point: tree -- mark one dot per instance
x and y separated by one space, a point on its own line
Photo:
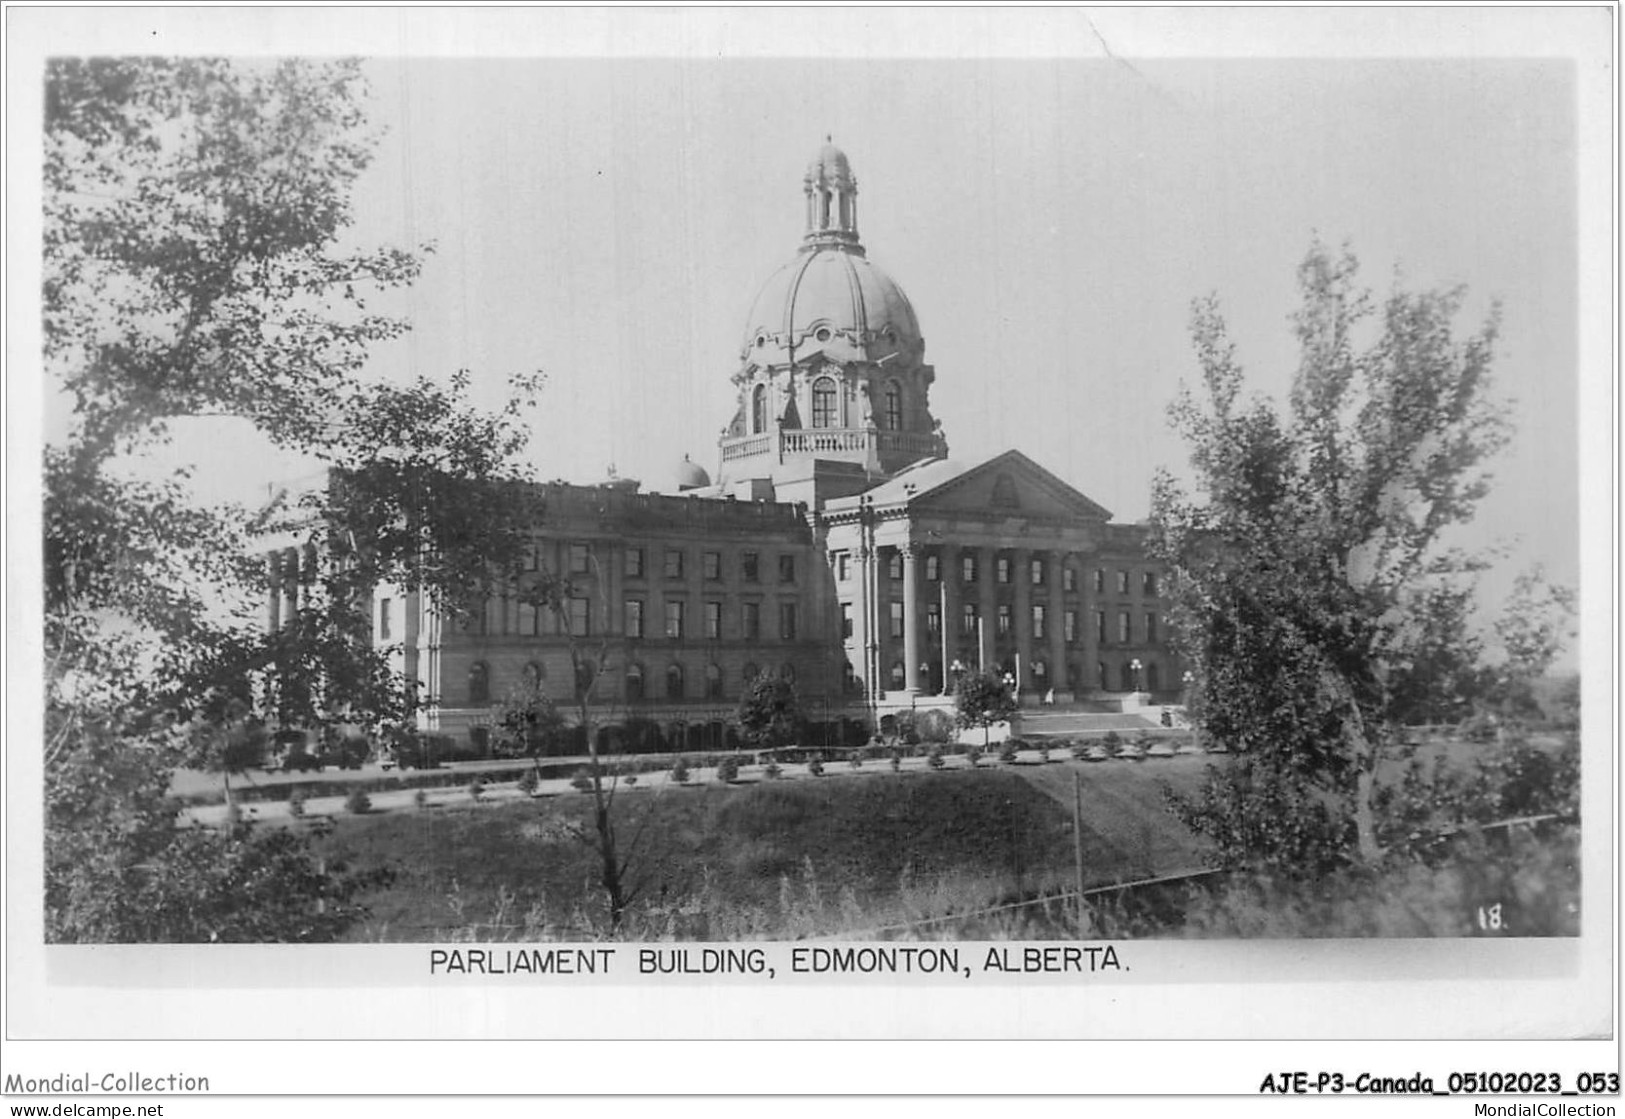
1313 585
530 718
769 714
982 700
195 219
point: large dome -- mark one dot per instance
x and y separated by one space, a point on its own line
831 297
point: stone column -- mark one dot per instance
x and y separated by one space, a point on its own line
1057 624
1022 627
1091 603
911 619
273 592
948 569
860 615
986 559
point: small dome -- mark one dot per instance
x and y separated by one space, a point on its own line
829 165
691 475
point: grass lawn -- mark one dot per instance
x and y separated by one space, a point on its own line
767 861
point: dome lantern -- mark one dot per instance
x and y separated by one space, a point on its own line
832 198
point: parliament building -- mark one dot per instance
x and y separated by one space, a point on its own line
837 543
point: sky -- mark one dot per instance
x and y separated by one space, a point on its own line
1051 205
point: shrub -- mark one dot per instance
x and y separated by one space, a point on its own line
935 760
296 803
358 803
581 780
973 755
1079 749
772 770
1043 751
815 766
630 778
896 761
476 790
529 782
728 770
934 726
856 760
421 799
679 770
1007 752
1112 741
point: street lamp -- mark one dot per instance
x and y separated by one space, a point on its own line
957 669
1134 666
1010 682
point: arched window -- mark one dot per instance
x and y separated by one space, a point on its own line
750 673
535 674
758 409
894 407
479 683
713 682
1153 677
674 681
634 682
824 402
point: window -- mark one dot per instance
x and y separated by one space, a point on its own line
1100 627
933 619
711 564
674 563
634 617
967 620
1100 676
1040 673
1038 623
1001 568
586 676
1150 629
479 683
578 559
385 608
535 674
634 563
894 566
843 566
1003 621
751 620
529 561
933 567
1037 569
750 567
758 409
496 615
713 682
674 620
634 682
846 621
1122 582
750 673
1153 678
713 621
674 681
1100 580
823 402
967 568
1148 584
899 675
1070 622
1124 633
896 619
787 569
894 407
787 621
580 617
1069 579
1129 683
528 619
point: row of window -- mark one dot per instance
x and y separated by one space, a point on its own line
636 680
1004 570
1004 623
674 564
826 406
503 616
676 620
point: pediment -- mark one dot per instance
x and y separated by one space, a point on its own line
1008 485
